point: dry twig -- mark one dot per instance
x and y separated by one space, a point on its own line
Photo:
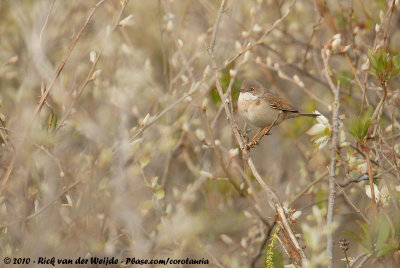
273 200
44 96
334 150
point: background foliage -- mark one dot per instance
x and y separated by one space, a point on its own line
131 153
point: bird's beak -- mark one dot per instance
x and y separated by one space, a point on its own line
241 90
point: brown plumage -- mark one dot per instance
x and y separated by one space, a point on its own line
262 108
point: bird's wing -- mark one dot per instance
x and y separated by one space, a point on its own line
278 103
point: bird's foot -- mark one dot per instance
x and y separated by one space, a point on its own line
252 144
267 132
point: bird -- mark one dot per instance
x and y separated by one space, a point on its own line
263 109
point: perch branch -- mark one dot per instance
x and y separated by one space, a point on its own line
273 200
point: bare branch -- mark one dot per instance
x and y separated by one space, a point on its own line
273 200
260 41
334 150
44 96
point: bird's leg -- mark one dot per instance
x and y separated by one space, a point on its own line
259 132
265 131
268 128
254 140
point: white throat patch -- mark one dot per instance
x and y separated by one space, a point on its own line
246 96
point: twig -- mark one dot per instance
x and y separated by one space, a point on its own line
363 154
308 187
194 88
64 60
261 39
362 177
54 200
45 206
283 76
163 52
364 261
117 21
262 245
315 26
215 30
40 147
216 24
80 91
217 263
393 143
89 76
377 113
353 70
272 197
390 12
283 247
370 178
353 262
46 21
346 197
218 154
334 150
296 68
44 96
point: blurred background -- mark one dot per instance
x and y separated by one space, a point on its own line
131 154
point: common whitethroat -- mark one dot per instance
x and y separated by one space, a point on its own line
263 109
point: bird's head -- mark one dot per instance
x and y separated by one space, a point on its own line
253 87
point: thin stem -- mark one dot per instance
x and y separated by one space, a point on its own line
334 150
371 181
44 96
273 200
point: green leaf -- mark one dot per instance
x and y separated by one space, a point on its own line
383 234
380 63
395 72
354 236
367 246
54 123
373 72
386 249
372 58
358 126
396 61
385 231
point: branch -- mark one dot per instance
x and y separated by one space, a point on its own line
334 149
346 197
89 76
46 21
61 194
42 101
193 89
273 200
261 39
389 15
215 30
64 60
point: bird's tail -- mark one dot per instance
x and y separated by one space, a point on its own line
311 115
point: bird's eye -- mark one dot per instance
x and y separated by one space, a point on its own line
252 88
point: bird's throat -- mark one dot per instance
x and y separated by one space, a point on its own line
246 96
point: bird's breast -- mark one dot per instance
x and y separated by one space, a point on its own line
256 111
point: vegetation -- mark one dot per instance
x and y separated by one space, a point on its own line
120 135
